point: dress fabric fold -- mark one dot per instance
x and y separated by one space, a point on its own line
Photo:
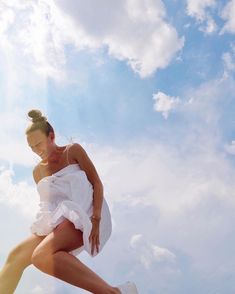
69 194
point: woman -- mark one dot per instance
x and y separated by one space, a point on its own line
73 216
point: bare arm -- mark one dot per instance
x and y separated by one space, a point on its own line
86 164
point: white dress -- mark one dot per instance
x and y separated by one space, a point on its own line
69 194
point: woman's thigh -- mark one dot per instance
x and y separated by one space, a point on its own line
21 254
64 237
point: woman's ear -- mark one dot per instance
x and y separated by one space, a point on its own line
52 136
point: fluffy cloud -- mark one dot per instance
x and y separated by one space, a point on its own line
229 60
228 15
134 31
29 27
164 103
172 202
150 253
168 204
198 10
20 196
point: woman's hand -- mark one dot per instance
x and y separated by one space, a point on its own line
94 236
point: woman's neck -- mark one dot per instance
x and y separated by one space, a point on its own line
54 157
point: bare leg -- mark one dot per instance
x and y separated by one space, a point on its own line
51 256
9 278
68 268
18 259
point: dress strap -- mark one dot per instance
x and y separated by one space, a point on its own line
68 146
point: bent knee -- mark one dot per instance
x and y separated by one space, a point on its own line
38 258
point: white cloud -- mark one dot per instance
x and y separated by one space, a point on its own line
135 31
150 253
230 148
148 162
189 186
170 205
164 103
210 26
20 196
198 9
29 32
135 240
38 290
189 182
36 282
228 14
229 62
162 254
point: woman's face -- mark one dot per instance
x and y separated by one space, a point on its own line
40 143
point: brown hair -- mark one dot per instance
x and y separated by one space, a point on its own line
39 122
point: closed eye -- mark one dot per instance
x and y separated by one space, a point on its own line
35 145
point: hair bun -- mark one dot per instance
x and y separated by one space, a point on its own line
36 115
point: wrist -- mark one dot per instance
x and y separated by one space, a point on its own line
95 218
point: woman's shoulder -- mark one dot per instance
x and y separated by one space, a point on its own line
76 147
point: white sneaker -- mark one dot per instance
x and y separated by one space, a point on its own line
128 288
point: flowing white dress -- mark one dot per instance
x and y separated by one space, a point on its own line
68 194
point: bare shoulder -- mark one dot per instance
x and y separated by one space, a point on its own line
78 153
76 147
81 157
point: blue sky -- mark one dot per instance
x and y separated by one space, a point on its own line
147 88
